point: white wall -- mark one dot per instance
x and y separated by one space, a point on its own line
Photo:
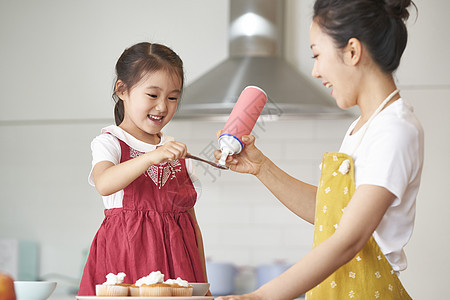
56 63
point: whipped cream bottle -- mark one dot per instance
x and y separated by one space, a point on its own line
241 121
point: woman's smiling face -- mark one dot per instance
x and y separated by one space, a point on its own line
150 105
330 65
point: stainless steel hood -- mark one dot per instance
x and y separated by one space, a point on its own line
256 35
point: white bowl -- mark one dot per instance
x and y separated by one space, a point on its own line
34 290
200 289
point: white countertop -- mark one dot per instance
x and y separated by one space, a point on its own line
72 297
62 297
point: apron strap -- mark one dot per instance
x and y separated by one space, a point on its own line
380 107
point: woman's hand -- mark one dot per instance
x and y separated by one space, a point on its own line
249 160
251 296
169 151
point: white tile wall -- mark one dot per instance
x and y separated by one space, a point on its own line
241 221
44 186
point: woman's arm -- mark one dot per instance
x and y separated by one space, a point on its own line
296 195
110 178
361 217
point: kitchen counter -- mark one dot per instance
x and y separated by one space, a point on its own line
62 297
72 297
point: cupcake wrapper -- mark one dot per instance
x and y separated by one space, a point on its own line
111 290
134 291
182 291
155 291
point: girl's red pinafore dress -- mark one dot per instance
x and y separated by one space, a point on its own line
153 231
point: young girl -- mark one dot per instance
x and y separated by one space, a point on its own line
146 184
363 209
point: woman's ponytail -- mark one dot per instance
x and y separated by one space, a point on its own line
378 24
398 8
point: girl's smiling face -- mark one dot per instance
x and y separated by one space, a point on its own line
150 105
332 66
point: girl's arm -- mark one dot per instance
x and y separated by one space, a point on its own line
201 250
110 178
296 195
361 217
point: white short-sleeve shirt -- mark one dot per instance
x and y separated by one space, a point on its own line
106 147
391 155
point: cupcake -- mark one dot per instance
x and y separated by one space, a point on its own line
134 290
153 286
113 286
180 287
155 290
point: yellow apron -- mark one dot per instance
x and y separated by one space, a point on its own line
368 275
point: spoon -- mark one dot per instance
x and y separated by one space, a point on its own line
207 161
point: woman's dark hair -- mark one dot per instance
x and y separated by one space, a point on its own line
138 61
378 24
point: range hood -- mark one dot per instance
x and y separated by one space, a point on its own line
256 33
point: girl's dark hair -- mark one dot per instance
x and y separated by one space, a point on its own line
138 61
378 24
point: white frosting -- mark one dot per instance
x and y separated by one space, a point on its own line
113 279
152 278
178 281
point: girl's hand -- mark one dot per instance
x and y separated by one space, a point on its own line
249 160
169 151
110 178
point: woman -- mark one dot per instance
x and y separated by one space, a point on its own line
363 209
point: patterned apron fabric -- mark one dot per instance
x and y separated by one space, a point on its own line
368 275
